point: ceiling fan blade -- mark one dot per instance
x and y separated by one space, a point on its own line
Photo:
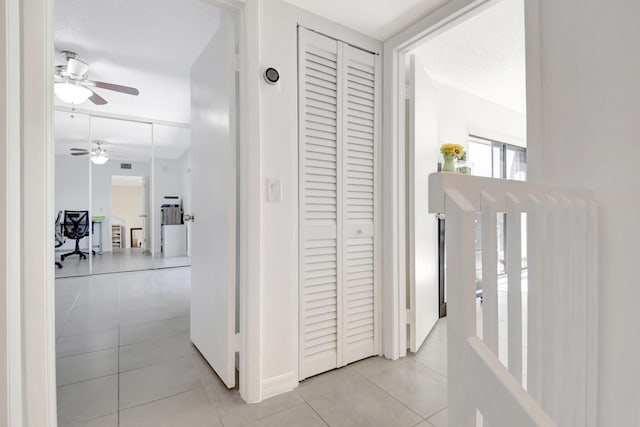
116 88
97 99
80 154
78 149
77 68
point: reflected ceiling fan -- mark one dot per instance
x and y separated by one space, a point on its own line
73 86
98 154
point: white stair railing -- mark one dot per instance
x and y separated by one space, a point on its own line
549 377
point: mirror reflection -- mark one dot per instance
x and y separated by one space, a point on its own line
72 204
133 181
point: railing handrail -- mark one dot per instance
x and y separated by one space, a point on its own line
472 187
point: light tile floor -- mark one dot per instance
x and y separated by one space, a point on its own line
125 359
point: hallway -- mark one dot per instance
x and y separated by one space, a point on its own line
125 358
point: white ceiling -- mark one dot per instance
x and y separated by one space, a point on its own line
148 44
379 19
483 55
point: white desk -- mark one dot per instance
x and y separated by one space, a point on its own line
174 240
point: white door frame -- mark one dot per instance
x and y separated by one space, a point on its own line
393 155
27 300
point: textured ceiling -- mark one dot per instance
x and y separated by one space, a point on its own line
147 44
483 55
379 19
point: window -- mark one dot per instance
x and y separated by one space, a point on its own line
496 159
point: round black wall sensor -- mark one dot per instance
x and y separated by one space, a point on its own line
271 75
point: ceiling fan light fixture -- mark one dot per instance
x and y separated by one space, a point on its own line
71 93
100 157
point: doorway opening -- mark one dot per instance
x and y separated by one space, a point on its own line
466 85
139 322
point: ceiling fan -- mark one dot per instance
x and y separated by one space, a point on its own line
73 86
98 154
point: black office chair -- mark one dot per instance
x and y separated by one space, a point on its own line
76 226
60 240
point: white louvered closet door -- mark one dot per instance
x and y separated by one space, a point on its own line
320 197
359 184
337 187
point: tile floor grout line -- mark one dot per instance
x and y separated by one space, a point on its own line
433 415
87 380
86 352
314 410
73 304
394 398
431 369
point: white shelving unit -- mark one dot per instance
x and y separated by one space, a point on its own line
116 236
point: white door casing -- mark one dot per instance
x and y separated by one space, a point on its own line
213 261
337 164
422 232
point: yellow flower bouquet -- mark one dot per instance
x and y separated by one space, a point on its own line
450 152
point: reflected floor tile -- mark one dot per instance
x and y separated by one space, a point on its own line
193 409
363 404
298 416
87 400
157 381
87 366
416 386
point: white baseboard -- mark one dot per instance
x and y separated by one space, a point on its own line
278 385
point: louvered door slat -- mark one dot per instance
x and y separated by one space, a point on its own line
359 186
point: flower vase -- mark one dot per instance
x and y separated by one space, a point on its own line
449 164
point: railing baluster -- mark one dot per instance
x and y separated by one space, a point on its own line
536 227
566 339
461 311
579 368
550 270
592 315
489 272
514 276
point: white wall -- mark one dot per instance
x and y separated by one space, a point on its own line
277 35
590 111
461 113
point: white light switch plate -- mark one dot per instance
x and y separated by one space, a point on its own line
274 190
